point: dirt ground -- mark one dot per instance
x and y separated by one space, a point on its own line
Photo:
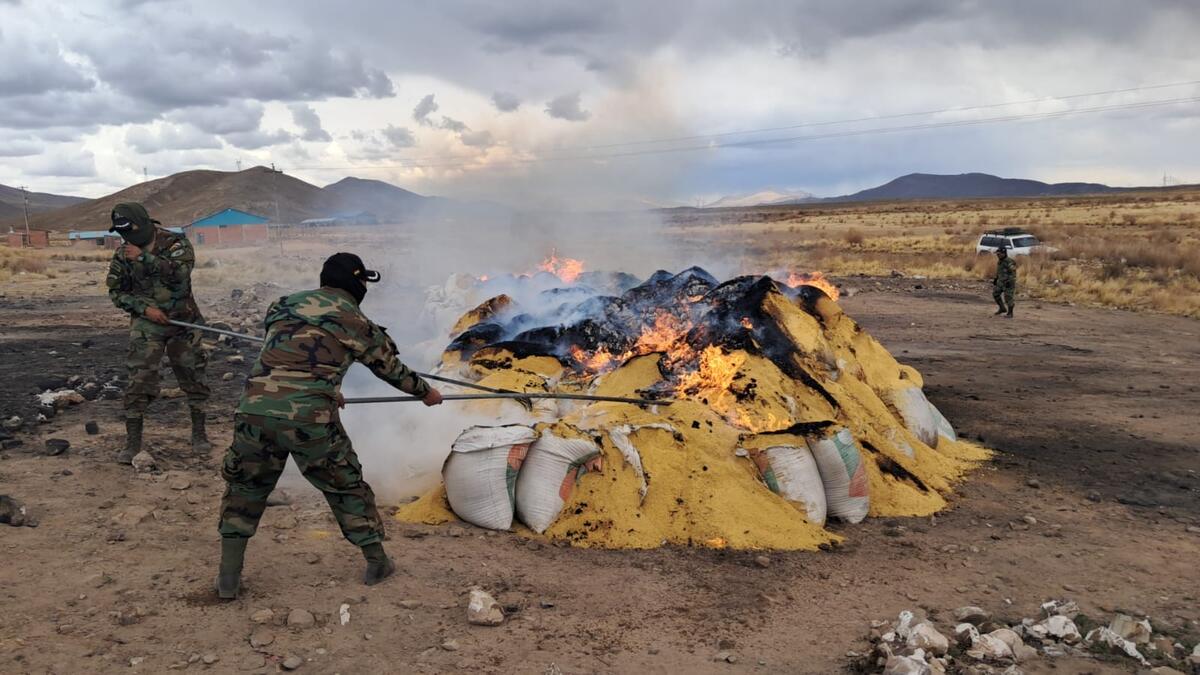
1093 413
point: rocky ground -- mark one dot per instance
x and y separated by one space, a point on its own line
1093 499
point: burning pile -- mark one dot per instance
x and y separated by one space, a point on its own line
785 413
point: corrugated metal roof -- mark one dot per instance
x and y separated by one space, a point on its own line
228 217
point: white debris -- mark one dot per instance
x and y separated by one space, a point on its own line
483 610
60 399
1057 627
966 634
990 647
620 438
907 665
344 614
925 636
1106 636
1066 608
1137 632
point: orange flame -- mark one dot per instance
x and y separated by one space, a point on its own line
747 324
567 269
667 336
814 279
597 361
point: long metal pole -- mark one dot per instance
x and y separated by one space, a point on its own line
531 395
428 376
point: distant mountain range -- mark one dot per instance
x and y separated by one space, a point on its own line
184 197
11 202
929 186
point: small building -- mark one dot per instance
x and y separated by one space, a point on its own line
32 239
102 238
230 227
342 219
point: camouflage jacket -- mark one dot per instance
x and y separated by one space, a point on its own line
312 339
160 277
1006 273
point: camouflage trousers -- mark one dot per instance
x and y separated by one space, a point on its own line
1006 293
147 344
324 455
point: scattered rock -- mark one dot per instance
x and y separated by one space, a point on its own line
209 658
261 637
965 635
1034 483
143 462
292 662
971 614
312 558
725 656
227 377
235 359
287 522
344 614
1193 529
1137 632
12 512
990 647
409 604
252 662
91 427
762 561
1029 520
483 610
279 498
1057 627
263 616
906 665
300 618
925 636
1106 637
13 423
171 392
1165 670
132 516
57 446
1023 652
450 645
180 483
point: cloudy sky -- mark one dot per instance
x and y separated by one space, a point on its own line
597 102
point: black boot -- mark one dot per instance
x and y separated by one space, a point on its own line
1009 315
999 311
229 577
199 437
133 440
379 565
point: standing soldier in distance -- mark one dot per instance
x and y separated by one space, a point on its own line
290 407
150 277
1004 285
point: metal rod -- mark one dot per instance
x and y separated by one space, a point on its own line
428 376
529 395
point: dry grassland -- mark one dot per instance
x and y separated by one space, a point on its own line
1132 251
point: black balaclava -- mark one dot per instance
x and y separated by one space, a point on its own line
347 272
133 223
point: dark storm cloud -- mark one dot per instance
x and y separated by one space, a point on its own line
309 122
399 137
36 66
567 107
258 138
423 109
205 63
169 137
505 101
533 22
231 117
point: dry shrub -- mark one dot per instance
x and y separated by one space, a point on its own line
854 237
1129 219
1112 269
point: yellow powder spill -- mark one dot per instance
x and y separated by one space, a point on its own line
699 492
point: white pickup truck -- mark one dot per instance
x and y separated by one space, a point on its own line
1016 241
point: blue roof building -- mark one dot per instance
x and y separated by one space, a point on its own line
228 217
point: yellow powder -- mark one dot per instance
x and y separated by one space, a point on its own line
699 493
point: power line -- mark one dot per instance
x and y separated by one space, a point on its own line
460 162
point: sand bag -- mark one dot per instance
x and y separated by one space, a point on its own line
481 473
917 413
548 476
843 474
791 472
944 428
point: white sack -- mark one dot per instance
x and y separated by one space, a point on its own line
548 476
917 414
843 474
791 472
481 473
944 428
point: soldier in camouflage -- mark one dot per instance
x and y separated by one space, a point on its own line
150 277
290 407
1004 285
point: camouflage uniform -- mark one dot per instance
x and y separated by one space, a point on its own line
160 277
289 407
1004 286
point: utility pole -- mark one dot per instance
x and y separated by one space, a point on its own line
239 165
25 205
275 194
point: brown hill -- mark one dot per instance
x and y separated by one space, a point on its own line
11 202
183 197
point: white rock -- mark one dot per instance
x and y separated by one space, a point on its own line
906 665
344 614
483 610
300 618
262 616
925 636
990 647
1008 637
1056 627
971 614
903 625
1023 652
143 462
966 634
